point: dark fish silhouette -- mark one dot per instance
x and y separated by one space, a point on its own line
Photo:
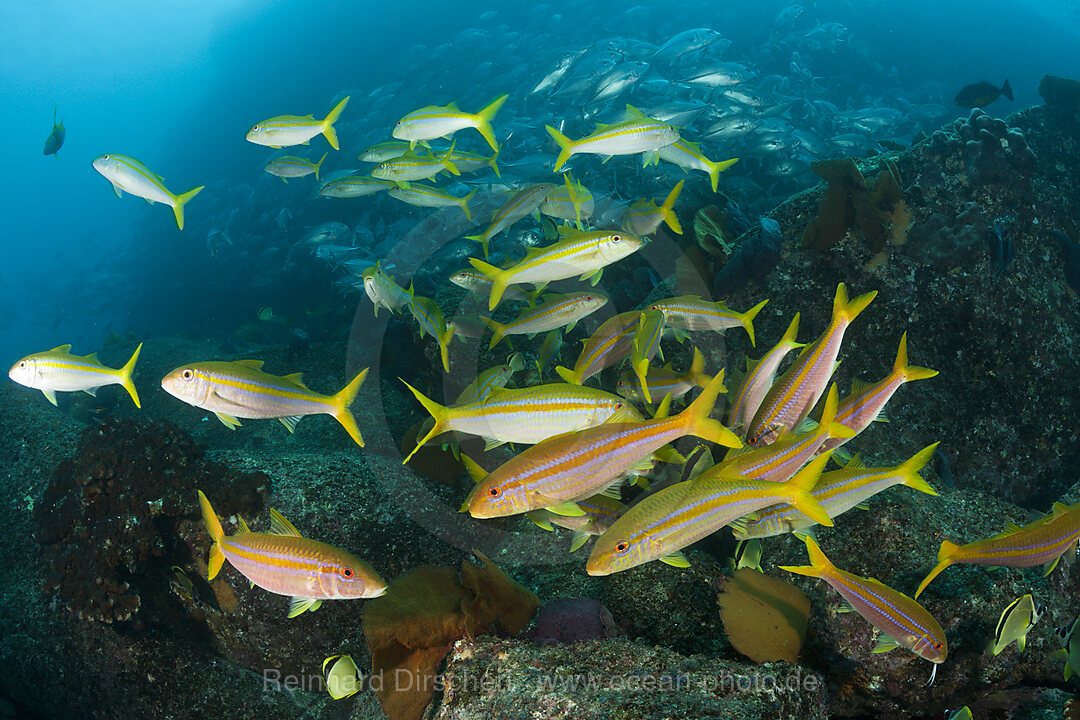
55 141
981 94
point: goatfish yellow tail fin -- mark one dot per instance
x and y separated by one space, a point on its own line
317 165
909 372
801 485
438 412
213 526
910 470
328 130
463 203
180 201
668 213
820 566
568 375
498 331
125 376
715 168
484 118
495 275
747 319
842 307
946 556
566 147
828 416
343 400
696 415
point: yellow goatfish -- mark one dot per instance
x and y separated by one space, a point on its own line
291 166
435 121
612 342
640 134
284 562
690 312
129 175
526 415
644 217
520 204
1042 542
795 393
901 621
556 311
285 130
665 381
57 370
688 156
645 345
240 389
662 524
584 254
421 195
383 291
759 378
577 465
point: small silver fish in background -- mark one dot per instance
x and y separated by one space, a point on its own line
1015 622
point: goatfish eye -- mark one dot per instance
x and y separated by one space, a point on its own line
187 374
22 363
347 573
621 547
937 646
255 129
616 238
494 492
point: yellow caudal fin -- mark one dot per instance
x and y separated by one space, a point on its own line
715 168
909 372
498 331
697 370
493 161
819 564
476 473
910 470
125 376
801 485
791 333
447 162
828 423
328 130
747 320
697 416
343 400
463 203
213 526
484 118
495 275
444 347
850 310
567 375
946 556
483 238
566 147
317 165
438 413
667 211
179 201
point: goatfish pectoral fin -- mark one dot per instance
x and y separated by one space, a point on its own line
179 201
885 643
50 395
342 401
566 509
330 133
697 416
213 526
946 557
228 421
438 412
676 559
567 375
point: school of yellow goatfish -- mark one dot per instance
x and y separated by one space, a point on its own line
767 472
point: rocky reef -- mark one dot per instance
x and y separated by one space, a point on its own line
104 572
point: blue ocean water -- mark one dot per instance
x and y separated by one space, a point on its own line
178 84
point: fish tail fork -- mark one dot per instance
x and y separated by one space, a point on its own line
946 556
180 201
343 400
819 564
125 376
213 526
697 416
328 130
484 118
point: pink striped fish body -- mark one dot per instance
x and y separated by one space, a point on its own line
581 464
902 621
782 459
285 563
1042 542
759 379
794 395
866 401
662 524
612 342
690 312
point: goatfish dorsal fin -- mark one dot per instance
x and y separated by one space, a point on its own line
255 364
280 526
61 348
296 378
242 525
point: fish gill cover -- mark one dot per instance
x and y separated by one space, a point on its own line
512 241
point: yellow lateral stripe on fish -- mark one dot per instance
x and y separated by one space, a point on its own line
241 389
526 415
285 130
866 401
795 393
690 312
579 464
57 370
612 342
582 254
129 175
1042 542
897 616
285 563
664 523
760 378
838 492
556 312
782 459
435 121
629 137
352 186
431 196
520 204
